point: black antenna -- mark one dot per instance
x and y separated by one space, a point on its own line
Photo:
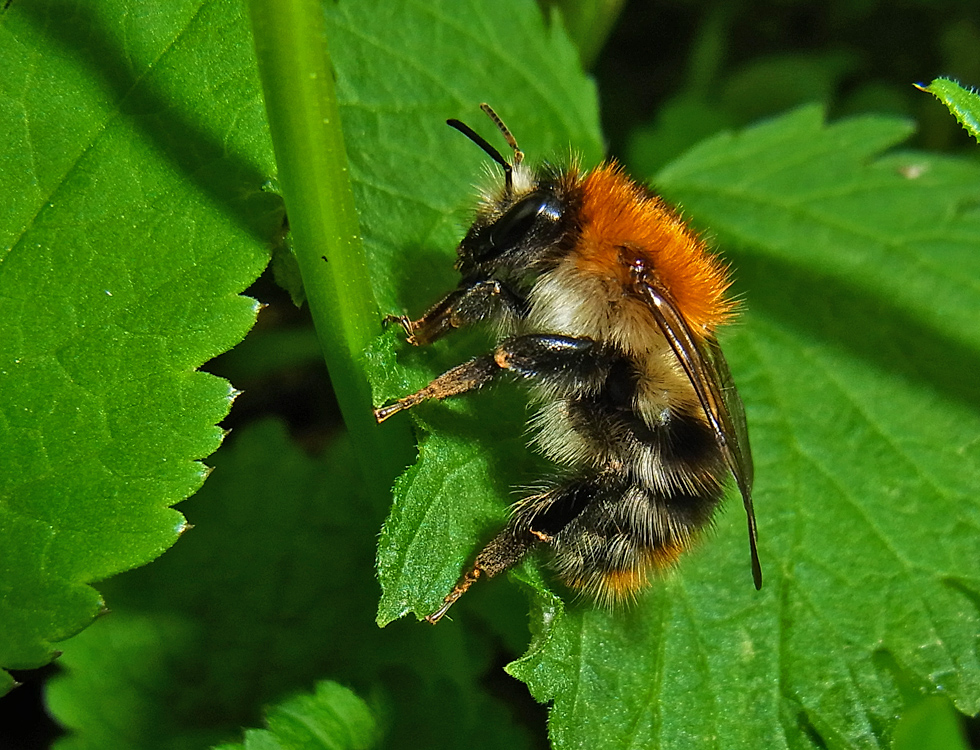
493 153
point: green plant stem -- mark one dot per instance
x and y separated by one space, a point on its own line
304 120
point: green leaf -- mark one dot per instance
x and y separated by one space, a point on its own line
447 502
963 104
333 718
271 590
856 360
931 724
268 531
134 155
413 176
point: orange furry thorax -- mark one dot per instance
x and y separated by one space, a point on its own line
619 218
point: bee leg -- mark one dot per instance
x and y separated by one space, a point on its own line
535 520
567 364
502 553
463 378
403 320
470 303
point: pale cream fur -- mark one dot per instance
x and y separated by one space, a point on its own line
566 302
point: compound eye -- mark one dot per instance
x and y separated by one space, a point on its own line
519 220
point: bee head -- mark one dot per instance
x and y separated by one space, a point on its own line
516 226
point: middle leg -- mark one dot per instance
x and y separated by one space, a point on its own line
561 363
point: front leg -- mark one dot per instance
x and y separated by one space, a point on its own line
564 363
471 302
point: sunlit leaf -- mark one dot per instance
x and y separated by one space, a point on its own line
133 159
963 103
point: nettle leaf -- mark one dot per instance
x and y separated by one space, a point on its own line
963 104
414 176
332 718
134 154
859 355
855 360
271 590
239 604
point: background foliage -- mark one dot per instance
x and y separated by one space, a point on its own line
141 202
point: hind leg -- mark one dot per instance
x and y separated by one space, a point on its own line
535 520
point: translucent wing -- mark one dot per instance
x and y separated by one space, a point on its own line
706 368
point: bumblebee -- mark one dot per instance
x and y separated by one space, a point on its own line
606 305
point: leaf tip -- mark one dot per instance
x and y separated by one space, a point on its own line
389 611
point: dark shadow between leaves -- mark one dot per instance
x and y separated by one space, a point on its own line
228 178
867 326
